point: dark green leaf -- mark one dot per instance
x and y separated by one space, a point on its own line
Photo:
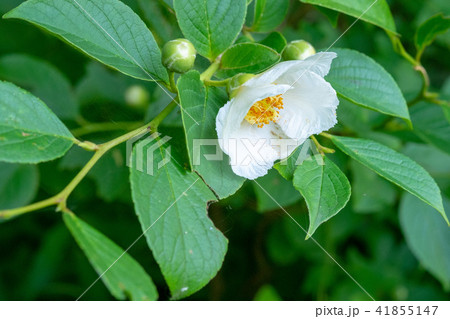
43 80
375 12
29 131
171 206
325 188
431 125
18 184
269 14
332 15
247 58
395 167
275 40
427 236
361 80
429 30
211 25
106 30
278 188
200 107
122 275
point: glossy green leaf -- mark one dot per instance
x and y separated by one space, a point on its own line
431 125
171 205
200 107
275 40
43 80
106 30
395 167
122 275
362 81
18 184
269 14
375 12
278 187
29 131
325 188
429 30
247 58
211 25
427 236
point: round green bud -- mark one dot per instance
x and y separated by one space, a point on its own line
179 55
137 97
236 81
298 50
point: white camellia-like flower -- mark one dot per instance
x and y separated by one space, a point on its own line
276 111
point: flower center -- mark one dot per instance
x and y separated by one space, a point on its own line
264 111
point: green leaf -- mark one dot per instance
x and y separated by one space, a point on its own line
287 167
427 236
106 30
29 131
431 125
247 58
332 15
429 30
279 188
18 184
275 40
171 206
325 188
200 107
122 274
269 14
375 12
211 25
43 80
395 167
362 81
364 182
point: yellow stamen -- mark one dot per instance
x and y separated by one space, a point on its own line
264 111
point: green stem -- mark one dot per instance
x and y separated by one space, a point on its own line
61 198
173 85
322 149
248 34
105 127
209 72
217 83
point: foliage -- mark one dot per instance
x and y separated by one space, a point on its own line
372 193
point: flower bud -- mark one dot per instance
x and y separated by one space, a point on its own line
179 55
137 97
236 82
298 50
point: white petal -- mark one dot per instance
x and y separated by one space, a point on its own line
309 108
250 150
290 71
232 114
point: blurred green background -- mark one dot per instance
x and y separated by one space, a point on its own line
267 258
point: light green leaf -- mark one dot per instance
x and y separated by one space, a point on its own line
429 30
275 40
375 12
171 206
395 167
106 30
427 236
122 275
269 14
211 25
325 188
200 107
29 131
18 184
279 188
431 125
362 81
43 80
247 58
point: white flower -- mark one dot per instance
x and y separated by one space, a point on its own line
282 106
